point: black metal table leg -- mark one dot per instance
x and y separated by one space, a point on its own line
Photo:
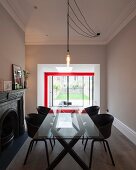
67 149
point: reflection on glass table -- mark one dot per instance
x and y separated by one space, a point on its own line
69 126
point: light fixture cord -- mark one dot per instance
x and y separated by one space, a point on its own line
84 18
80 27
68 26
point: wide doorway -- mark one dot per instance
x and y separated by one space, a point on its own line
80 87
74 89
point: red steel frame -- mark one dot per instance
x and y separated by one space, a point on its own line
47 74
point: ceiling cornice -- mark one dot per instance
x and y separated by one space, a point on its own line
11 8
31 39
41 39
64 43
128 14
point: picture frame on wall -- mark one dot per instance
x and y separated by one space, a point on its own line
7 85
1 85
17 77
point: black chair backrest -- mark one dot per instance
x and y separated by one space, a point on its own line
43 110
33 122
92 110
104 124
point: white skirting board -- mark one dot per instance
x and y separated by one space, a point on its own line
128 132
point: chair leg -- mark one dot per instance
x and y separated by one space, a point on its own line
85 144
29 150
104 146
54 140
35 142
51 144
31 147
83 140
91 154
47 154
110 152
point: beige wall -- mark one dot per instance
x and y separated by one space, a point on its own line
55 54
120 89
121 62
12 49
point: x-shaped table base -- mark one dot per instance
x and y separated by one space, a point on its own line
67 149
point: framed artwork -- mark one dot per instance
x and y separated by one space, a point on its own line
7 85
17 76
1 85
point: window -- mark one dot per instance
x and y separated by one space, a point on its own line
73 90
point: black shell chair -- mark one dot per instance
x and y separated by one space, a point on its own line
33 122
104 124
43 110
92 112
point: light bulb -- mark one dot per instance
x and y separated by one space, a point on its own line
68 59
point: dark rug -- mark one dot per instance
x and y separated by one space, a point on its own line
10 151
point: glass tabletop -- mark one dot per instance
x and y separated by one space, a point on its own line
67 126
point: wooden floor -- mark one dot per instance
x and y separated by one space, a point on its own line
124 153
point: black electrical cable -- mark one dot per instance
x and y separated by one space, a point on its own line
92 33
78 26
84 17
81 33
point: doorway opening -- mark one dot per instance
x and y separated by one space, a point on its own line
69 89
80 87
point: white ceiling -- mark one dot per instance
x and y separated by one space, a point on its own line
47 24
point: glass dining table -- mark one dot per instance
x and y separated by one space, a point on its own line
68 129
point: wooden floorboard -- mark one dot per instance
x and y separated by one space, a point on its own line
124 153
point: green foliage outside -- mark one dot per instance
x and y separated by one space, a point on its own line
57 87
72 96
